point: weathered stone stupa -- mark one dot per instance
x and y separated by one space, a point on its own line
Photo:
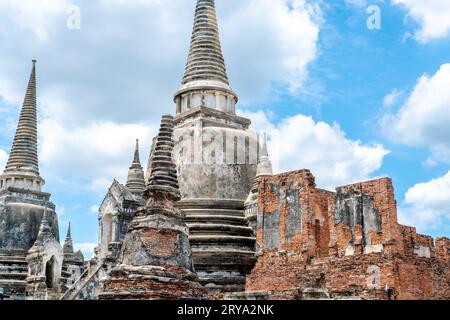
155 261
216 156
45 259
22 203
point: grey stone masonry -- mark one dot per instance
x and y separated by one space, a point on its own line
44 264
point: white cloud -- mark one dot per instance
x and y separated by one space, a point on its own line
3 159
427 205
87 248
9 92
299 142
271 41
423 119
433 17
97 152
34 16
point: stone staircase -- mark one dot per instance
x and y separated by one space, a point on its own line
13 274
222 243
90 275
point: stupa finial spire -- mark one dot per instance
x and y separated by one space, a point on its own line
136 180
205 82
264 167
205 61
68 244
136 153
24 155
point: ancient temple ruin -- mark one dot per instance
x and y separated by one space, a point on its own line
347 244
209 219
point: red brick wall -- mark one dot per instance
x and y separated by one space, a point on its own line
443 249
412 241
286 277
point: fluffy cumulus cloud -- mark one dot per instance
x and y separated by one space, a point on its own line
427 205
33 16
299 142
433 17
280 40
423 119
96 153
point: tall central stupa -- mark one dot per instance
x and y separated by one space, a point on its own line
216 155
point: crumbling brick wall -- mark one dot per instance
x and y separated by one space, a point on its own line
443 249
349 243
366 219
293 215
323 219
416 244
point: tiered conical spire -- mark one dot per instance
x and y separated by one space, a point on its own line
205 60
148 170
264 167
24 156
68 244
136 180
163 176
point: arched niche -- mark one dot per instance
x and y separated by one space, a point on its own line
50 273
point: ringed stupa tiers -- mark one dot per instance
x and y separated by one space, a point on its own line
214 184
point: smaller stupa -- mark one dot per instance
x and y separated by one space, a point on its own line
156 260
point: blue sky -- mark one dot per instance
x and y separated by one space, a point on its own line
347 102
